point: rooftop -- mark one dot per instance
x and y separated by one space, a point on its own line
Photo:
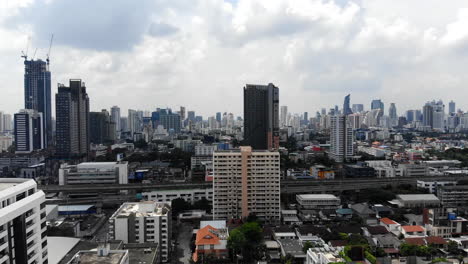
414 228
417 197
91 257
143 209
388 221
316 196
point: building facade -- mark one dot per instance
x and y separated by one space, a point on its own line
143 222
72 124
246 182
37 93
94 173
29 131
261 116
341 138
23 230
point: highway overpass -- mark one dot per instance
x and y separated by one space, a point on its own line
287 186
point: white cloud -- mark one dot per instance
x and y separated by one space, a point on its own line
200 53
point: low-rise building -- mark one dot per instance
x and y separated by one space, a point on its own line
358 171
324 255
453 196
211 240
94 173
321 172
417 200
190 196
143 222
289 217
318 201
413 231
432 186
103 254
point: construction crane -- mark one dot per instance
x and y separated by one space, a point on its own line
50 47
25 54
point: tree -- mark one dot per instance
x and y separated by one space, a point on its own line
452 247
179 205
202 204
236 241
252 231
307 245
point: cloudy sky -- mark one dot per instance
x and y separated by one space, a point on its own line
199 53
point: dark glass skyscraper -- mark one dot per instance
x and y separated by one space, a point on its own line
37 93
72 114
261 116
346 107
377 104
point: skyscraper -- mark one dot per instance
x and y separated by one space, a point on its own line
102 128
72 113
246 182
427 114
341 138
378 104
37 93
346 108
218 117
261 116
29 131
170 121
357 108
284 116
451 107
392 114
115 117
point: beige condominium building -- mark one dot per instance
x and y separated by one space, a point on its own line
246 182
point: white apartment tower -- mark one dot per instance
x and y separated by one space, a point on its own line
143 222
23 230
246 182
341 138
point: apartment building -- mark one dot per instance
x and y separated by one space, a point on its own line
318 201
23 230
143 222
246 182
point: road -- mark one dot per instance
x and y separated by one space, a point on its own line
182 252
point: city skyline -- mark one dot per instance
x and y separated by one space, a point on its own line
175 51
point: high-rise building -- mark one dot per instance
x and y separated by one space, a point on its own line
341 138
346 108
37 93
29 131
169 120
451 107
191 116
306 117
2 122
143 222
124 124
23 222
7 123
115 117
261 116
357 108
427 114
378 104
72 113
102 127
182 113
392 114
241 188
284 116
134 124
218 117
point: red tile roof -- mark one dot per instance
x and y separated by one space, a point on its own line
436 240
206 236
414 228
417 241
388 221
